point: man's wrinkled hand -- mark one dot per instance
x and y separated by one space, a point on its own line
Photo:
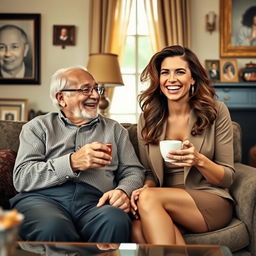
116 198
93 155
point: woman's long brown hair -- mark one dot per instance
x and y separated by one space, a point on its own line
154 103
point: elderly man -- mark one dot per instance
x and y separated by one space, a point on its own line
71 188
14 48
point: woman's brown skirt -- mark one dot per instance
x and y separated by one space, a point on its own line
217 211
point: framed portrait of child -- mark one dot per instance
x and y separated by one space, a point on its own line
228 70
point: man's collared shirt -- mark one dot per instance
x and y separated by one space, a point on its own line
47 141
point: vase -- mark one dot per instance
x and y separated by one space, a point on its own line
249 72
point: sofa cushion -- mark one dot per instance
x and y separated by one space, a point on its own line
9 134
7 190
237 142
234 234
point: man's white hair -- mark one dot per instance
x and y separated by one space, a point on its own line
59 81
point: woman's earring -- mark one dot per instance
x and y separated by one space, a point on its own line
192 89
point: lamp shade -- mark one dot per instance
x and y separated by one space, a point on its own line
105 69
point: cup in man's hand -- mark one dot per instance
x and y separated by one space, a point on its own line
168 145
110 147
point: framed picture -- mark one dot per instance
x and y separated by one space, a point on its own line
228 70
213 69
14 109
63 35
237 38
19 48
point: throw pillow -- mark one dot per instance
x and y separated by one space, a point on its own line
7 190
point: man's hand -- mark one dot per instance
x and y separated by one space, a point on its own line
116 198
92 155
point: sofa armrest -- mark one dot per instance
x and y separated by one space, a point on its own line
244 192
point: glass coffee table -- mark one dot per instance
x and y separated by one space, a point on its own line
123 249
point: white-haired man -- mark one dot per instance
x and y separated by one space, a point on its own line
70 188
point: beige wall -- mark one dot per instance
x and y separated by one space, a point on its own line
204 44
53 12
75 12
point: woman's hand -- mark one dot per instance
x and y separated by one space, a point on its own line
187 156
134 198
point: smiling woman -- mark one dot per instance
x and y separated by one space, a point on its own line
180 104
175 79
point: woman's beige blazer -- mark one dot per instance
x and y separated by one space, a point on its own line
216 143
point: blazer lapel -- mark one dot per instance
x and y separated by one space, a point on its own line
197 140
156 157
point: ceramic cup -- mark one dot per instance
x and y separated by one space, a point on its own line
167 145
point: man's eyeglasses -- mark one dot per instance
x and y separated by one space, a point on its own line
86 91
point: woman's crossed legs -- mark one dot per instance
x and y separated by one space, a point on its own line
160 209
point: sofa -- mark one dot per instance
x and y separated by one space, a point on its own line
252 156
239 235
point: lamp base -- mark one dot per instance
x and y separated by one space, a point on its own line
103 105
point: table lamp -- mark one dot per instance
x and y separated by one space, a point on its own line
106 70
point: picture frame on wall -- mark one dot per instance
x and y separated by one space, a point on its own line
213 69
14 109
229 70
236 37
20 48
63 35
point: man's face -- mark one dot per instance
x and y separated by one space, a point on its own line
214 66
13 49
64 32
80 108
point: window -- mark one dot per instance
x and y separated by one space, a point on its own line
137 53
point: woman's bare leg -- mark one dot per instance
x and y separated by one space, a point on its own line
137 234
159 208
178 236
138 237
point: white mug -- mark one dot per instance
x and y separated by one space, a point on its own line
167 145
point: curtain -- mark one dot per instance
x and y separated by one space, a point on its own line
108 25
169 22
